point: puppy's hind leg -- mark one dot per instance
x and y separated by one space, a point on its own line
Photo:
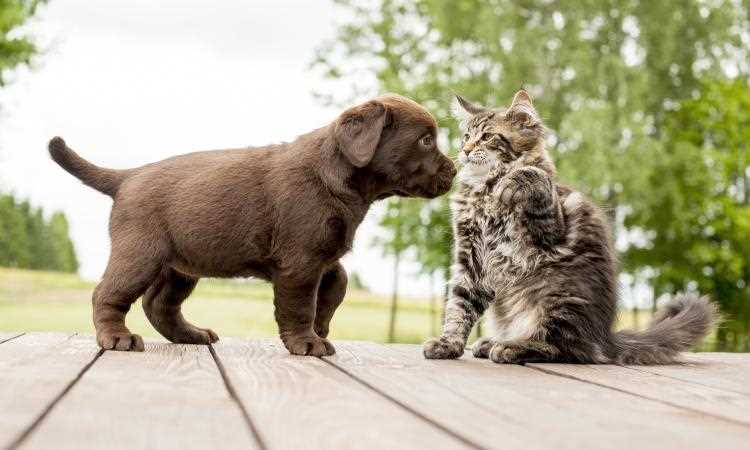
162 305
129 272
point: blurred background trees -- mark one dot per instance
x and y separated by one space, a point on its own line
27 239
646 102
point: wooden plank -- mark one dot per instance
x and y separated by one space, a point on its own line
727 371
8 336
507 406
306 403
168 397
34 370
716 402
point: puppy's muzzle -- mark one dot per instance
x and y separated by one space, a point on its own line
444 178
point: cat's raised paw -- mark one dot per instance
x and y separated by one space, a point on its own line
521 184
442 348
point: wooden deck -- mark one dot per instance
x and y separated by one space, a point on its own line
60 391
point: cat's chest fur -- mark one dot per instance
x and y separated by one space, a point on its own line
488 233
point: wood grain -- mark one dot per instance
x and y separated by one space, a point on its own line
34 370
168 397
504 406
727 371
302 402
717 402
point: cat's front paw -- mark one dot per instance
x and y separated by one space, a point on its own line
522 184
442 348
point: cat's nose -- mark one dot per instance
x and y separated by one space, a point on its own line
468 148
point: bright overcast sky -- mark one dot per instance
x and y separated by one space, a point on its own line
130 82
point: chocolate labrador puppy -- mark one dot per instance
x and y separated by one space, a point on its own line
285 213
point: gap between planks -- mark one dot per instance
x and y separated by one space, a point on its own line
547 371
407 408
236 399
4 340
25 433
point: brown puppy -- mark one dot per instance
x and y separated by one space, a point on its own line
285 213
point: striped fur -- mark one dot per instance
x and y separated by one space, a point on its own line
539 257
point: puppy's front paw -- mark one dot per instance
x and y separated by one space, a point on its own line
442 348
119 340
308 344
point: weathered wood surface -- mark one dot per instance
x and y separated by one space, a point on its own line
169 396
728 371
300 402
34 370
60 392
524 408
697 397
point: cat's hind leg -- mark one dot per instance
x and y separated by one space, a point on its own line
515 352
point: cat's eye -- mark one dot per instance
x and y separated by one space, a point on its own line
466 137
427 141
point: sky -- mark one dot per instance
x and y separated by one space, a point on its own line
131 82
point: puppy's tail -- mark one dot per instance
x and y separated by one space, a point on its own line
677 327
103 180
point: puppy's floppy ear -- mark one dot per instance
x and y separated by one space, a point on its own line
358 131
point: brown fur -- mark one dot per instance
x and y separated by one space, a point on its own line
285 213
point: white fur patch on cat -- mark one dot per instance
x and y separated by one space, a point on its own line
523 326
573 201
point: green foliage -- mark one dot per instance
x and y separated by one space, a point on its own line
15 48
607 76
695 213
28 241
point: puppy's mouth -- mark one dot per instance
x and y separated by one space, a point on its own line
398 192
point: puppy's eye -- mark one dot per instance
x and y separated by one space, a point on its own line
427 141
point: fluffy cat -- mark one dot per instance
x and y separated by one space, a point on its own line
539 256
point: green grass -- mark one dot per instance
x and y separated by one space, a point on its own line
50 301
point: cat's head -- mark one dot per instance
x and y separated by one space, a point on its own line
496 140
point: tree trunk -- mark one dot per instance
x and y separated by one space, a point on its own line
433 306
394 301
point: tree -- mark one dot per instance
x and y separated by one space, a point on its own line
28 241
14 244
15 48
694 208
399 220
64 255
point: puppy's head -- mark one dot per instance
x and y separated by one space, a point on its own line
395 139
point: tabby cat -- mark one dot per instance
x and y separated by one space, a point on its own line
539 256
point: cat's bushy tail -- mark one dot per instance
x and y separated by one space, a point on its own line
678 326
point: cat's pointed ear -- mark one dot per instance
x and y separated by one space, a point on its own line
468 106
522 111
463 108
522 97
